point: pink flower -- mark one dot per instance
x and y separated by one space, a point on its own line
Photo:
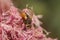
12 26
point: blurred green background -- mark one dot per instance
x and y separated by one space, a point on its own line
51 11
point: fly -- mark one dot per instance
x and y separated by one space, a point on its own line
27 19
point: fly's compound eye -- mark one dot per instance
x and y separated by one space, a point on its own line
23 15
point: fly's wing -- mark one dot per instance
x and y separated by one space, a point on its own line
34 18
28 12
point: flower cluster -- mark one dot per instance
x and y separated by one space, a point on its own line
12 26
